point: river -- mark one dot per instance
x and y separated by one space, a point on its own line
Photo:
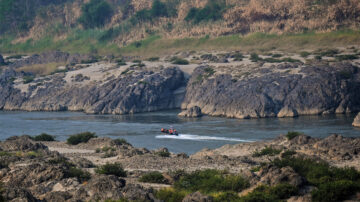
142 130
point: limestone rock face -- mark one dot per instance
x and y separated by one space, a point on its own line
140 91
278 90
356 122
272 175
192 112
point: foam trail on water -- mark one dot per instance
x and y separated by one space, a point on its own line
198 137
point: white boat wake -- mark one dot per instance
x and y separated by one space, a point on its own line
198 137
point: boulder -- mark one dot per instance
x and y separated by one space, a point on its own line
197 197
102 187
273 175
21 143
138 193
356 122
191 112
18 194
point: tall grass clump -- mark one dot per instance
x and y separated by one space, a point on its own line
80 138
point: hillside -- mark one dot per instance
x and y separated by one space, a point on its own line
113 26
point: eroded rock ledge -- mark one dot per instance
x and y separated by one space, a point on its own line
279 90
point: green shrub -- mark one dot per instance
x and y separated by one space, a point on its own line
276 55
43 137
121 141
109 154
346 57
318 172
209 71
78 173
226 196
267 151
170 195
288 153
304 54
95 13
153 177
254 57
28 79
179 61
329 53
158 9
211 181
238 57
111 169
5 153
61 161
292 134
163 153
212 11
152 59
335 191
267 193
318 57
80 138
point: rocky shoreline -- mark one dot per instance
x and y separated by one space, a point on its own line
228 87
39 171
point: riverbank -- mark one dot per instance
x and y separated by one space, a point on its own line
39 170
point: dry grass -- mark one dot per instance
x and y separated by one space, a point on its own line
41 69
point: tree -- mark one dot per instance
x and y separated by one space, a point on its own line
95 14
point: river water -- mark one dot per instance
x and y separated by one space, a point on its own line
142 130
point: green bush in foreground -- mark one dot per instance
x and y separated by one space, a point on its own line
121 141
78 173
267 151
80 138
43 137
208 181
153 177
267 193
163 153
340 182
170 195
292 134
111 169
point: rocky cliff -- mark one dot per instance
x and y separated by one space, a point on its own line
278 90
98 89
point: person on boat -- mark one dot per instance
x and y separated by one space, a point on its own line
171 131
162 130
175 132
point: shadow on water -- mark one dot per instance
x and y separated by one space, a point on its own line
142 130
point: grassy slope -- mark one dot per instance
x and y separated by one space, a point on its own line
87 42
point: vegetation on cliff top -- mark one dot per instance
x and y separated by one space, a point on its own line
131 27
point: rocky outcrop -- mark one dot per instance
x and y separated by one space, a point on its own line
272 175
140 90
279 90
52 56
356 122
192 112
